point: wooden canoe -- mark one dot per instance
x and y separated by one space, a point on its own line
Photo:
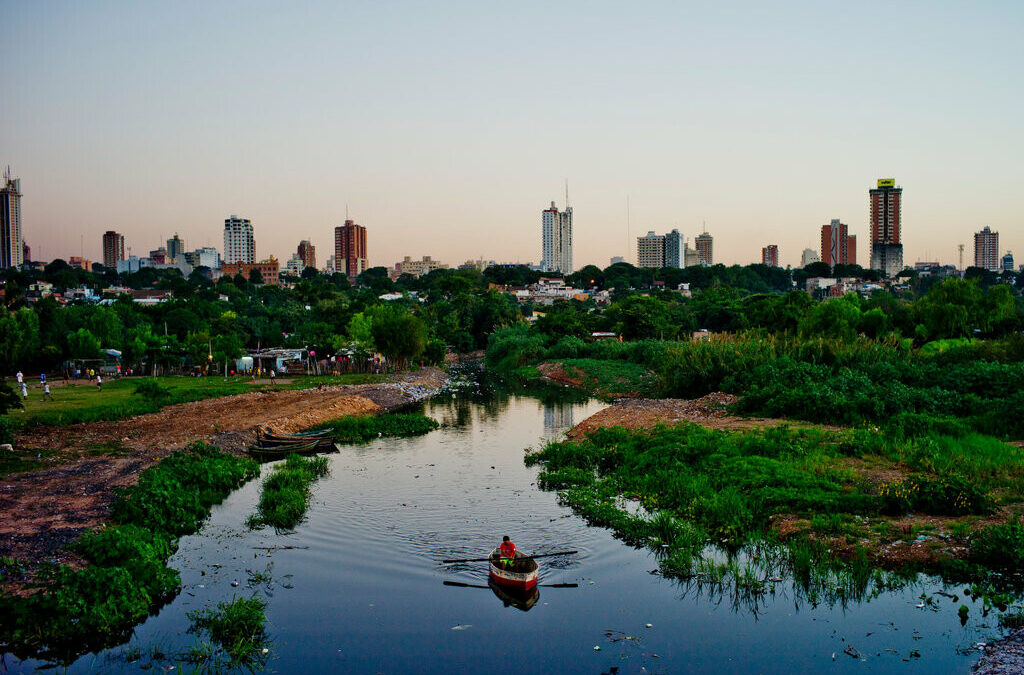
521 575
269 452
272 440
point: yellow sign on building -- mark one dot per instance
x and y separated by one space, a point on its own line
886 182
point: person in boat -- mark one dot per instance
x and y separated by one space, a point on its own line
507 553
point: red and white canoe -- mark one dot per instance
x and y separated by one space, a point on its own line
521 575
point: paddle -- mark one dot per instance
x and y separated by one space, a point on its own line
465 585
541 555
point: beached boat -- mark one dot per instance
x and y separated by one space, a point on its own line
522 574
270 440
269 452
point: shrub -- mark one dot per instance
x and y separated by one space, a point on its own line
1000 546
365 428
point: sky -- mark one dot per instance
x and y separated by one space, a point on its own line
445 128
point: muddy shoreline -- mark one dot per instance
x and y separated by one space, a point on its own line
45 510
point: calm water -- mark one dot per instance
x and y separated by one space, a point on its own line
363 590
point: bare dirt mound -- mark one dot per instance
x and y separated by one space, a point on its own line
643 413
45 510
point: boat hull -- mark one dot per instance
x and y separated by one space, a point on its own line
522 577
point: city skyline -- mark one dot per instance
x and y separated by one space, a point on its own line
733 114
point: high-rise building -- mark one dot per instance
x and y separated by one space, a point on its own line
690 257
175 248
703 243
350 248
203 257
329 268
770 255
307 253
986 249
675 250
886 248
810 256
12 253
556 240
239 245
113 249
838 246
650 250
1006 262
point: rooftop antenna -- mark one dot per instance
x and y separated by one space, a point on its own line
960 248
566 193
346 210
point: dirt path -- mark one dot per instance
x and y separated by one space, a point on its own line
42 511
643 413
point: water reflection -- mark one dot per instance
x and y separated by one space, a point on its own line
510 597
557 417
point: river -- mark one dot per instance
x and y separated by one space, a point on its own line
361 590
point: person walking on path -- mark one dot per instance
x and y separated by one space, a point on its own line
272 376
46 393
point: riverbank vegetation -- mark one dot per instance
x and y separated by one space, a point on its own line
360 429
237 632
286 492
61 611
827 507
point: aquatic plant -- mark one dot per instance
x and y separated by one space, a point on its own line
238 635
286 492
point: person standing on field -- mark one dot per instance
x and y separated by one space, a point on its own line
24 390
99 382
46 393
21 378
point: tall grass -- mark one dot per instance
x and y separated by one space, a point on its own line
359 429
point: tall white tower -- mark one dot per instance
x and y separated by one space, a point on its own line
239 245
556 240
11 241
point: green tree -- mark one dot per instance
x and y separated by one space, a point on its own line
82 344
399 335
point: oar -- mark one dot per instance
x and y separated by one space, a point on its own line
461 584
541 555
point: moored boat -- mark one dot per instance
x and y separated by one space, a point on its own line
522 574
269 452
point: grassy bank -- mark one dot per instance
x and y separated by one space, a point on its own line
827 507
73 611
123 398
360 429
286 492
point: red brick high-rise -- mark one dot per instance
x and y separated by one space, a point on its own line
307 253
350 248
113 249
886 202
838 246
770 255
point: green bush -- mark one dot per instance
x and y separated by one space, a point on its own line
365 428
940 496
1000 546
286 492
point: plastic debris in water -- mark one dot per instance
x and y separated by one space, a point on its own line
597 648
462 626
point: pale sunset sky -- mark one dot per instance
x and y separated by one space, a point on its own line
446 127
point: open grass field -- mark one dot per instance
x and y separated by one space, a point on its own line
81 401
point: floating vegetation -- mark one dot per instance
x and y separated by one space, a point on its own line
69 612
286 492
359 429
237 632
